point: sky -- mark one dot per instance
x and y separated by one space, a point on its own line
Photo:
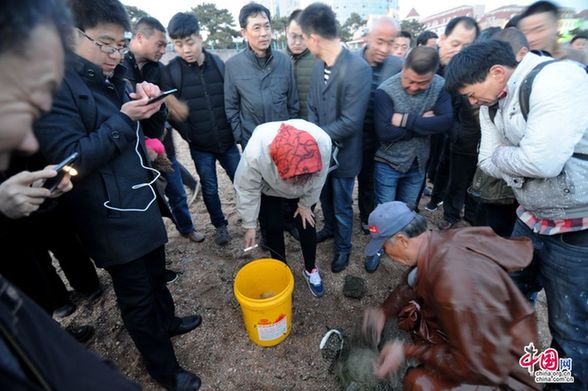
165 9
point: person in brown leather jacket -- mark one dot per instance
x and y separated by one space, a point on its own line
468 321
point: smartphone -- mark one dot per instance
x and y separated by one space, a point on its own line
161 96
52 183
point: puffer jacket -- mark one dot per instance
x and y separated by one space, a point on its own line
541 158
473 322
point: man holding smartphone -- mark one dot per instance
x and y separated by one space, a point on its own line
116 208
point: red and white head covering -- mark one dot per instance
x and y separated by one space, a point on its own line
295 152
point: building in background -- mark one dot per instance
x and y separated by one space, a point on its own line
438 21
500 16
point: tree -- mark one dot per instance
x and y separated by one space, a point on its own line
413 27
279 25
135 13
218 24
351 25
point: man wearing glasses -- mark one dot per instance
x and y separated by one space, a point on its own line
115 207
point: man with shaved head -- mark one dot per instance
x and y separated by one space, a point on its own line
380 39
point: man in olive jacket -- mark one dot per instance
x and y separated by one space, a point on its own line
337 102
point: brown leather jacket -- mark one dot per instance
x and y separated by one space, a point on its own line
469 322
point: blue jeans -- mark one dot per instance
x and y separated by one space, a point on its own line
393 185
205 163
174 190
337 205
562 270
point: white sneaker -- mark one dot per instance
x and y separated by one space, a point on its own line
315 284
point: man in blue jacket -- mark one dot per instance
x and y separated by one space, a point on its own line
116 207
337 102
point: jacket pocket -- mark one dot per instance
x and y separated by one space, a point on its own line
112 194
279 87
548 197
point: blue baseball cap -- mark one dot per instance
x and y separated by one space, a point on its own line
386 221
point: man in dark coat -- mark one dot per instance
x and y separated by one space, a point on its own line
337 102
115 206
36 354
380 38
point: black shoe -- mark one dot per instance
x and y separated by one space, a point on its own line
323 235
339 263
64 310
94 295
187 324
365 228
81 333
428 191
169 276
182 381
371 263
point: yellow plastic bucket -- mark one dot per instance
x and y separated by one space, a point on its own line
264 289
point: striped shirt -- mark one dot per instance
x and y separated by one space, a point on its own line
551 227
327 74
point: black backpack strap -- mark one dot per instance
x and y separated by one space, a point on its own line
176 75
527 87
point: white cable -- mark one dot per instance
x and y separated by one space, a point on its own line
140 185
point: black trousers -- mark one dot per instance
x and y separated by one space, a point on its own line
365 183
461 173
502 218
27 265
272 222
439 170
147 310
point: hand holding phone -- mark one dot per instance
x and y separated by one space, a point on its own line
62 168
162 95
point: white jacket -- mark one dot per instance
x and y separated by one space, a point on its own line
535 157
257 173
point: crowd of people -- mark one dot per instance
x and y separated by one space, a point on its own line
495 120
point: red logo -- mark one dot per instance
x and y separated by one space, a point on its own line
373 229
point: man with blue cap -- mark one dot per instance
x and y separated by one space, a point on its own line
468 321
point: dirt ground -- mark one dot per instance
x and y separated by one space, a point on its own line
219 351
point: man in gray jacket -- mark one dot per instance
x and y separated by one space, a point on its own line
539 146
409 108
337 102
259 83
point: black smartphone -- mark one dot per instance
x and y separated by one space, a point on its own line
161 96
52 183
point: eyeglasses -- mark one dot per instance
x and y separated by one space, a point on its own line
104 48
296 37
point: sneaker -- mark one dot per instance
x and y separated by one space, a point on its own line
222 235
371 263
194 193
315 284
82 334
194 236
169 276
428 191
64 310
432 206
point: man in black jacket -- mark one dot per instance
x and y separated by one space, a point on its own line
198 75
337 102
115 206
142 64
36 354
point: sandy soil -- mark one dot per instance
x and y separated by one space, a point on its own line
219 351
